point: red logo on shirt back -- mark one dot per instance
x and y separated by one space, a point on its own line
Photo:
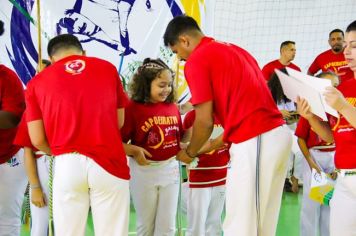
75 67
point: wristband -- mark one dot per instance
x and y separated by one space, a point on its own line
35 186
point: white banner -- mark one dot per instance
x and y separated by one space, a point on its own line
123 32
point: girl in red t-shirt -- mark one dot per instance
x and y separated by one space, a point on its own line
153 124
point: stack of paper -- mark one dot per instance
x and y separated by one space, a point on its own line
297 84
321 187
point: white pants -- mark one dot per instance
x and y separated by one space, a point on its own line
39 215
78 183
295 165
154 191
13 183
205 206
343 207
242 203
314 217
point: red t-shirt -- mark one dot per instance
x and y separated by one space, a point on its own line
22 137
305 132
77 98
11 100
268 69
329 61
217 158
230 77
344 132
157 127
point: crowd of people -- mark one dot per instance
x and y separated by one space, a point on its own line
85 143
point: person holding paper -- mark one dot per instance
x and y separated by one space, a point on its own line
225 80
287 54
333 59
343 99
319 155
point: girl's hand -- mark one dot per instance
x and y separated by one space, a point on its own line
334 98
38 198
140 154
303 108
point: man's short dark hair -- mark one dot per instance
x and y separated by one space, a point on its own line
1 27
336 31
63 41
286 43
177 26
351 27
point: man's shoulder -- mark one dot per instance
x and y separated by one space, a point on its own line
273 63
326 53
7 72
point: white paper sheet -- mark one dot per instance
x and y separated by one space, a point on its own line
293 88
316 83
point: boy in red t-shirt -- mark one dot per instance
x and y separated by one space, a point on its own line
206 178
75 109
343 99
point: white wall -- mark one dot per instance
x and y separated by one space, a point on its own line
261 25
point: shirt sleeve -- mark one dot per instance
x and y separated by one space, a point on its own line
302 130
189 120
127 129
22 137
33 110
12 96
122 99
266 71
199 81
314 67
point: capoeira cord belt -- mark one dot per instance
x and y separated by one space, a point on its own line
258 159
179 205
345 172
50 202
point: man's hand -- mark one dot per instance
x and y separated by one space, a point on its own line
183 157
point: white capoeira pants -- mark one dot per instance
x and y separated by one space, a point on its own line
205 206
79 182
295 165
13 182
314 217
245 206
40 215
154 191
343 207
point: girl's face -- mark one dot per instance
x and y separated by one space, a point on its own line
161 87
350 50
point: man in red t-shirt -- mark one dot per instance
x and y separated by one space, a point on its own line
12 173
287 51
343 133
225 80
333 59
75 109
